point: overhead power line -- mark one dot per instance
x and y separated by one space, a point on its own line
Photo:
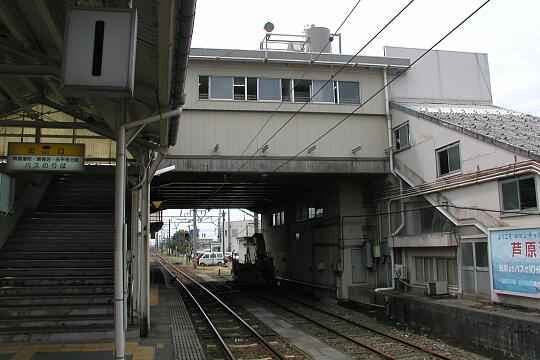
381 89
295 82
308 101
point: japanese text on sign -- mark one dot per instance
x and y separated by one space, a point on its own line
45 157
515 260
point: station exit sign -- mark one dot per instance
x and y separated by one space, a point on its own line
32 157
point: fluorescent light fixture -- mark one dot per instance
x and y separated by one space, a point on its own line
164 170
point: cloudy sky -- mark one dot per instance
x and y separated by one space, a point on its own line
508 31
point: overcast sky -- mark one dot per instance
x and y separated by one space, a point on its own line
508 31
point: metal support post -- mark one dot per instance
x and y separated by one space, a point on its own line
119 208
145 266
255 222
228 229
135 199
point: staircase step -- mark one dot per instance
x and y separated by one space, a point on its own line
46 263
79 226
61 280
56 310
56 255
68 232
12 246
63 334
63 299
54 220
67 215
42 290
56 321
76 271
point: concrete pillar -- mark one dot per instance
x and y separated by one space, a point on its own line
144 274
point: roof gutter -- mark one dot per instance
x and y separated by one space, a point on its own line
185 16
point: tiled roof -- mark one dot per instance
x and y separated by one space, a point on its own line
512 130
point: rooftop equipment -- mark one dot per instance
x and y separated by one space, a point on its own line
316 39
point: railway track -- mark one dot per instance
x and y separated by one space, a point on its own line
236 337
376 341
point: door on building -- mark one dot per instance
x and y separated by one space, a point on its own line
358 264
475 268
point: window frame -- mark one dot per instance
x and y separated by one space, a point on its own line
433 261
516 179
210 78
259 90
396 130
437 159
338 99
330 83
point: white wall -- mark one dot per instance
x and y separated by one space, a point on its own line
443 75
427 136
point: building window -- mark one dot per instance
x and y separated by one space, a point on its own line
401 137
311 213
252 88
319 212
323 91
448 159
286 91
348 92
203 87
221 87
278 218
436 269
269 89
239 88
301 213
302 90
266 89
519 194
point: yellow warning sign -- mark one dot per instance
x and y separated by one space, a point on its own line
157 204
46 149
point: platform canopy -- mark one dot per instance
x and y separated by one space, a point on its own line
32 106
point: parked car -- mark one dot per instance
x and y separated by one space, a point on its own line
212 258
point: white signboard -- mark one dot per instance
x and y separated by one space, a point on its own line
99 52
30 157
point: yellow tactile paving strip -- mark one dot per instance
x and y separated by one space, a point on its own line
154 295
27 352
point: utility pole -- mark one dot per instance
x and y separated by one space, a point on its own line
169 246
255 222
195 232
228 229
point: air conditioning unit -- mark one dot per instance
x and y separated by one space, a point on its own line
400 272
437 288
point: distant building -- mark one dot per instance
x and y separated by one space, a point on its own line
239 229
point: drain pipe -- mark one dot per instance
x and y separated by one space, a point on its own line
391 157
119 215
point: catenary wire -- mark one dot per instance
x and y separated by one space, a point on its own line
381 89
304 104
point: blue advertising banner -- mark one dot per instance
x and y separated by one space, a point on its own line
515 260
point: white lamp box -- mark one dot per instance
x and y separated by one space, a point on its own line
99 52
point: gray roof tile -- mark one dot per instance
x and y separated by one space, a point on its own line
508 129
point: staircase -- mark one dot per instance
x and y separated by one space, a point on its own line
56 269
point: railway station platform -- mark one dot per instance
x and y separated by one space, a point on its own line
509 330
